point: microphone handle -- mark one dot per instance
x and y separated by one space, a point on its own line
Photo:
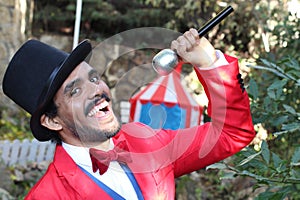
214 21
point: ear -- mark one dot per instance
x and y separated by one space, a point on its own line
50 123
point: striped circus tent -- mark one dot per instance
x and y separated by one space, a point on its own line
165 103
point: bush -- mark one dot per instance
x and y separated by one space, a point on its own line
14 124
275 165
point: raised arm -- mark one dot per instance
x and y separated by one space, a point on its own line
231 127
190 149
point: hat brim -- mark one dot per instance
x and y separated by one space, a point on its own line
79 54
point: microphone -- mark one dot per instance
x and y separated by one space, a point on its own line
166 60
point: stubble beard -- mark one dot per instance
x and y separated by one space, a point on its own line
88 135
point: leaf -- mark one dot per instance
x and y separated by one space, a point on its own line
271 94
253 89
278 133
291 127
295 164
289 109
280 120
216 166
279 164
278 84
295 174
257 177
228 175
265 151
275 89
71 7
296 156
277 161
249 158
266 62
267 102
271 195
259 165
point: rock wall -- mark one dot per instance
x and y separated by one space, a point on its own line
12 33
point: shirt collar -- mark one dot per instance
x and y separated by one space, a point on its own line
81 155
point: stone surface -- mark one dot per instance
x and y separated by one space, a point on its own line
10 38
5 180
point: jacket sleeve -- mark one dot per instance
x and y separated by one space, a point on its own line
187 150
230 129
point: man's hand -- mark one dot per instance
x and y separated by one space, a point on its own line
194 50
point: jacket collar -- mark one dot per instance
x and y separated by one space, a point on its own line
63 162
71 175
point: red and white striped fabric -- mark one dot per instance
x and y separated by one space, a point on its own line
169 92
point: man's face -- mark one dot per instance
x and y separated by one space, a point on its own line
84 109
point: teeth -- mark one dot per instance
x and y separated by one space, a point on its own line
98 108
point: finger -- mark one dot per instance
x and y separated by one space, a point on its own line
191 41
174 45
183 43
195 33
181 49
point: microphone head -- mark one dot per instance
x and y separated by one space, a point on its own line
165 62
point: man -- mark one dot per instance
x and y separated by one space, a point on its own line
71 104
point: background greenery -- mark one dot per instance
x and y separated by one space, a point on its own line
263 34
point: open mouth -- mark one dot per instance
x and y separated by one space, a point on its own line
99 110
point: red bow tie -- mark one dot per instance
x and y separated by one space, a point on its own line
101 159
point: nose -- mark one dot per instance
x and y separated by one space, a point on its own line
96 89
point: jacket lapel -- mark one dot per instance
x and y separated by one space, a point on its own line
157 184
154 184
74 179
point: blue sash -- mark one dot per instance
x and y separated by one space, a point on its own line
111 192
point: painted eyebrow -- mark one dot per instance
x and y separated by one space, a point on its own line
70 86
92 73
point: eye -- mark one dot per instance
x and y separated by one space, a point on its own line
94 79
74 91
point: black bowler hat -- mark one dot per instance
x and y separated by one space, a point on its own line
34 75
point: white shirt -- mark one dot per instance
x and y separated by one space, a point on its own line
115 177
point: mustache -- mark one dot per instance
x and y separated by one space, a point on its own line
105 96
95 101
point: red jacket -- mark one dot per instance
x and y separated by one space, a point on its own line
159 156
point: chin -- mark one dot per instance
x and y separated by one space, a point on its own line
111 133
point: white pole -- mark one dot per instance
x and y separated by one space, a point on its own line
77 23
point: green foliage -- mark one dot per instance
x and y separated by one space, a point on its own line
277 105
99 18
14 125
277 108
281 175
253 27
233 33
274 89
